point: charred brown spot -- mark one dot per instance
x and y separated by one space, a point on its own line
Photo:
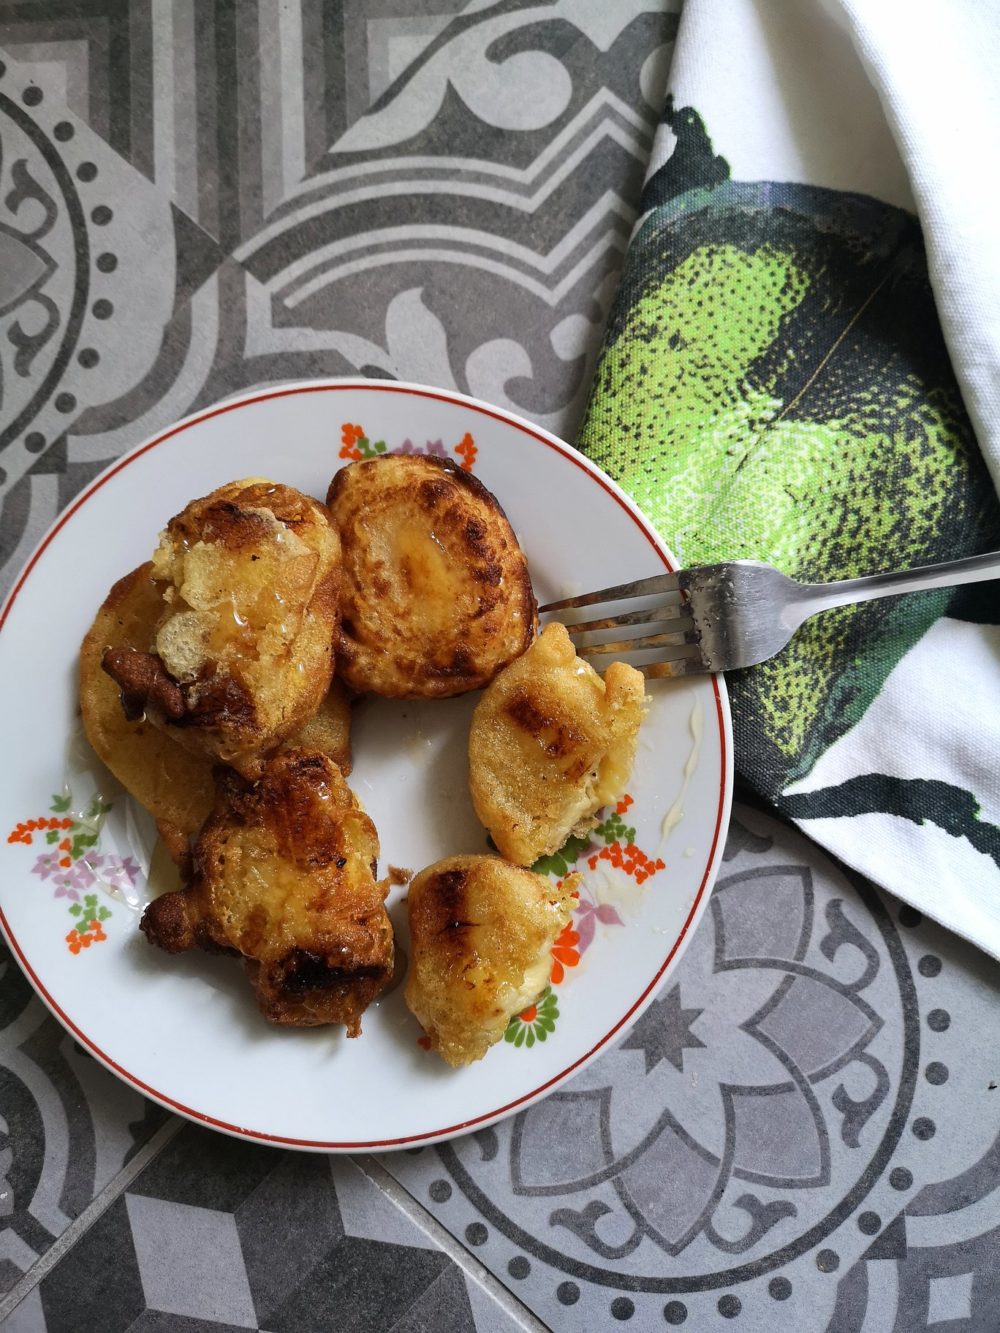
233 526
143 681
450 899
307 762
557 738
526 714
229 785
448 888
303 970
475 534
218 701
431 492
489 574
563 741
462 663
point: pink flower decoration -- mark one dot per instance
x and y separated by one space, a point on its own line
435 447
587 913
46 865
68 882
119 872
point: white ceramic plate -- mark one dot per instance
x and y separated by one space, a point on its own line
185 1030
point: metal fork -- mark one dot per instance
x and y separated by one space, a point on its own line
720 617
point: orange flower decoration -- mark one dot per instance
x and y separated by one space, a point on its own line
629 858
27 827
564 952
467 452
349 436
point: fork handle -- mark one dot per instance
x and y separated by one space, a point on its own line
821 596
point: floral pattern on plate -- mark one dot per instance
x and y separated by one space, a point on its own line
74 865
355 445
617 847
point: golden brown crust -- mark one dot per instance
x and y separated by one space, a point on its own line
436 596
550 744
481 934
173 784
329 731
284 874
242 653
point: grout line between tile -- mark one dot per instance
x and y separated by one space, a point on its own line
76 1229
445 1241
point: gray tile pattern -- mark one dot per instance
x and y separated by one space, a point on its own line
824 1156
509 150
804 1132
217 1233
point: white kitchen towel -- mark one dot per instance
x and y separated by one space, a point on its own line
775 385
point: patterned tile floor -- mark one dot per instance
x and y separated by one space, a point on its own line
819 1086
216 1233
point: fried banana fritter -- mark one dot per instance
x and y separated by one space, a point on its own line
481 932
284 874
242 653
436 596
550 744
173 783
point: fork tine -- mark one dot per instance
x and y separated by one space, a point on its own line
638 588
643 642
674 667
652 615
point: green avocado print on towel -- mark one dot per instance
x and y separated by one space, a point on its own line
774 386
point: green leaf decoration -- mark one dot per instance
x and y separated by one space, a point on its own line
529 1037
367 449
561 863
614 829
519 1035
52 836
60 804
75 909
80 843
82 927
511 1031
774 386
103 913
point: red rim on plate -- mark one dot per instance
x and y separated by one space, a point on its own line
722 713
